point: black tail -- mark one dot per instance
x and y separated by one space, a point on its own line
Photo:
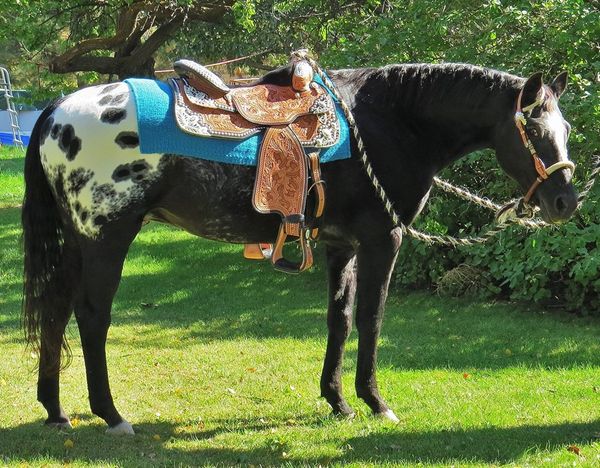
47 270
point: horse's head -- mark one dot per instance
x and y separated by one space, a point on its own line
531 147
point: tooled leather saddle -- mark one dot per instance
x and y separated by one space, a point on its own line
296 121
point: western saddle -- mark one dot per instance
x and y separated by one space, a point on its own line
297 120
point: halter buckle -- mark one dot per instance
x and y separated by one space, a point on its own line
520 117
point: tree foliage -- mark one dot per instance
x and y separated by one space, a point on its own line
519 36
115 37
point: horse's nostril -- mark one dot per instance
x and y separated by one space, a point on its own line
560 205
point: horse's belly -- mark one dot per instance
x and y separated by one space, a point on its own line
90 153
212 200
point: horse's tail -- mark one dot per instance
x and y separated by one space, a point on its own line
47 289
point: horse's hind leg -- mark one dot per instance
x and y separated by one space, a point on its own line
59 305
48 378
49 369
102 264
342 288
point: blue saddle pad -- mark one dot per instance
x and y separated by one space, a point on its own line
159 132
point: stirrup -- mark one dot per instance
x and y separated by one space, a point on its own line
282 264
260 251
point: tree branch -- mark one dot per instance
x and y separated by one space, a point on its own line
133 22
126 25
144 51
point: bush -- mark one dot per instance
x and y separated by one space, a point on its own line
559 264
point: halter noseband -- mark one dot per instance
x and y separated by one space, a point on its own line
541 169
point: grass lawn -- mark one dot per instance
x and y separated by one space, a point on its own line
216 361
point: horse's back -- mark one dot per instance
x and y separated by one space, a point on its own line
89 148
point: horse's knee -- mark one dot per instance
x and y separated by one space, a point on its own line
341 329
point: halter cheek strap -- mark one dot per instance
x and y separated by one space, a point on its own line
541 169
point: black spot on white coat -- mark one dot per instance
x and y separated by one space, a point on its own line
113 100
68 142
105 100
55 131
103 192
78 178
127 139
135 171
113 115
109 88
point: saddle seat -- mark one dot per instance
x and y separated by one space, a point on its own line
297 119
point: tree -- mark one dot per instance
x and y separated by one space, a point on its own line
115 37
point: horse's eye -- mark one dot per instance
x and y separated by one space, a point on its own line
534 132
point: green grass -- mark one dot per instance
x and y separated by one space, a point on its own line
222 364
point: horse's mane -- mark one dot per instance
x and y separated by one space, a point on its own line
420 86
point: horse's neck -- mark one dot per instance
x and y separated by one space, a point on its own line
455 109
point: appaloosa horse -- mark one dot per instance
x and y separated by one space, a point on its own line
89 189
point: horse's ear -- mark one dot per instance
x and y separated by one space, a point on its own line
531 89
559 84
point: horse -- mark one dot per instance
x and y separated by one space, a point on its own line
89 190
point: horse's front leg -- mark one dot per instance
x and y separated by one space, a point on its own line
375 266
341 274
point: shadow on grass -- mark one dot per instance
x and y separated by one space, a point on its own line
487 445
12 165
162 443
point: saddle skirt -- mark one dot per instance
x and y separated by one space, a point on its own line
247 111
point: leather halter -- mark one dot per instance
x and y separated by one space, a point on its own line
541 169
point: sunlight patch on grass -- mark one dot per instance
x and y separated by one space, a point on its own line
146 265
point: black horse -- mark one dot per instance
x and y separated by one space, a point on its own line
89 190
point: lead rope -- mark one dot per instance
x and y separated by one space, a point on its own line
590 183
446 186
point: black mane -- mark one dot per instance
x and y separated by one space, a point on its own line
423 88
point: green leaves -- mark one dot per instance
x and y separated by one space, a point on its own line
244 12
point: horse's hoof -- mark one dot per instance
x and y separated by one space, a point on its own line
123 428
388 415
59 424
342 410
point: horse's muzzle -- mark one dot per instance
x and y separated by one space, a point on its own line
556 208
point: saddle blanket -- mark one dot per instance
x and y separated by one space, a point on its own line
159 132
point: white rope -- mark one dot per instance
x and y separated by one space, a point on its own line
590 183
487 203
